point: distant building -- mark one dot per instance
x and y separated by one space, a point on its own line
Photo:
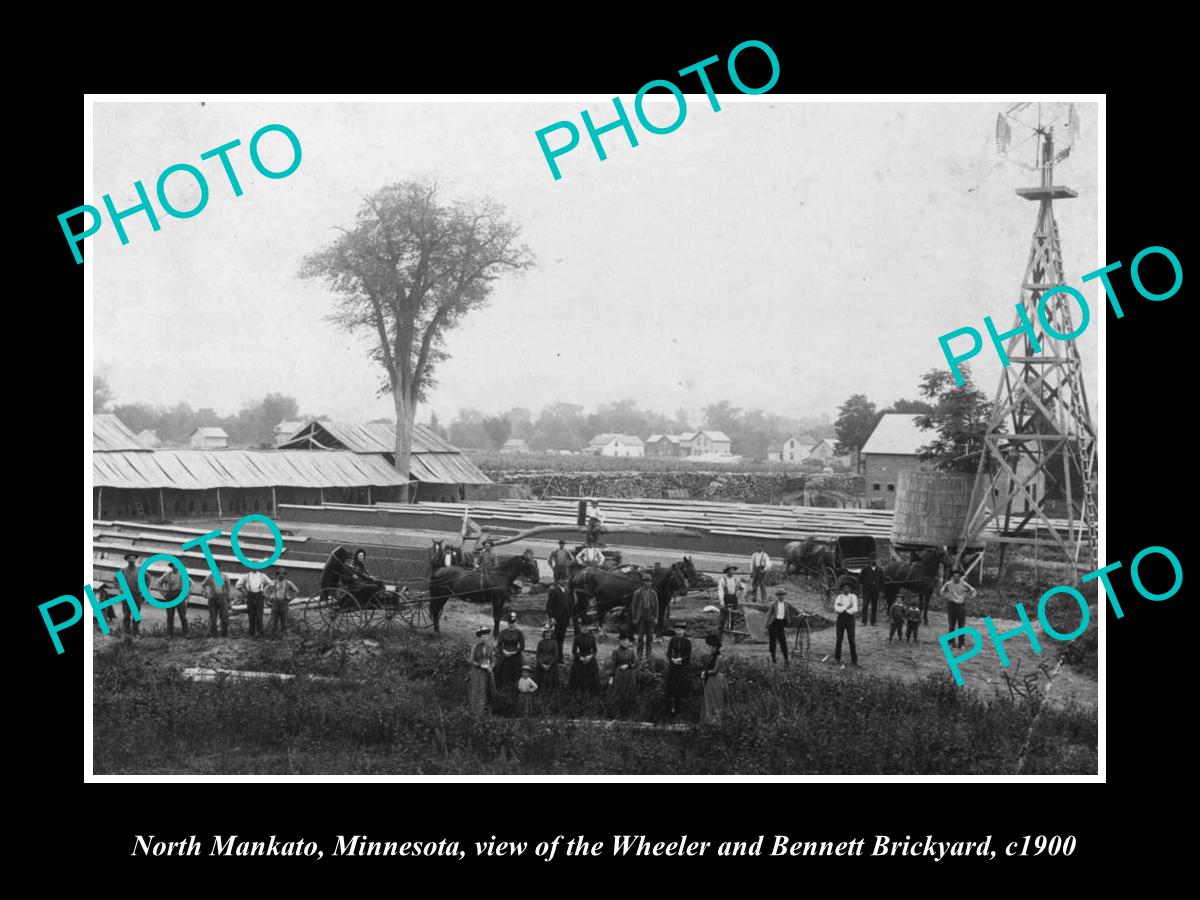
284 431
148 437
794 448
825 450
208 438
669 446
629 445
890 450
515 445
707 443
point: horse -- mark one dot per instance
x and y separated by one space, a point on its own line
806 557
481 586
437 555
918 577
612 589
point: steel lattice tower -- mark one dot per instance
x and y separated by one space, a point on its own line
1040 445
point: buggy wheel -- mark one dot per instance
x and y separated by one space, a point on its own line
803 637
385 607
416 612
338 609
827 578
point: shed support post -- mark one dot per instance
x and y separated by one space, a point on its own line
162 507
100 503
219 514
274 505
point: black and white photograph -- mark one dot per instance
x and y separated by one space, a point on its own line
509 436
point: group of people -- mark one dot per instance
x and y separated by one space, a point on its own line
499 667
256 589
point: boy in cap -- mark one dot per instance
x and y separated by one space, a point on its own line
282 592
913 616
898 613
777 619
526 687
643 615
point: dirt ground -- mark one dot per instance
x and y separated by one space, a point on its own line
877 658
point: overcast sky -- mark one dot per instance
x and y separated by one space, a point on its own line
777 254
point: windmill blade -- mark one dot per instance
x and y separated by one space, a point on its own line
1003 134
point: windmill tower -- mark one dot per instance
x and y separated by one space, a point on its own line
1040 449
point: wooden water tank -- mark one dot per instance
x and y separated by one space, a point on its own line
931 507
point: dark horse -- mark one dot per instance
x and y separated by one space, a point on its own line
919 577
611 588
437 555
481 586
806 557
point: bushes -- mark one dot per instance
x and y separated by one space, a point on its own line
404 712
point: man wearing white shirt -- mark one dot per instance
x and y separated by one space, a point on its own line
759 564
728 588
845 604
591 555
255 585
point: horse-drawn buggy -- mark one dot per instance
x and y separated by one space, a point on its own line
829 564
351 598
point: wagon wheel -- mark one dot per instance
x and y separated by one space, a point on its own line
415 611
827 578
341 609
310 615
386 605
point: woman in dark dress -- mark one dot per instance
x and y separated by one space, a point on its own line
510 654
677 679
622 683
545 673
585 670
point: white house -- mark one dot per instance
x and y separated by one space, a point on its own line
515 445
825 450
209 438
285 429
629 445
148 437
707 443
794 448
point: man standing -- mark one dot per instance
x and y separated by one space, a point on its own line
872 584
728 588
759 564
560 561
595 522
643 615
255 585
591 555
282 593
558 609
845 604
219 601
777 619
131 573
957 591
486 557
169 586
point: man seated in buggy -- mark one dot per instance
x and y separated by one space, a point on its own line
342 571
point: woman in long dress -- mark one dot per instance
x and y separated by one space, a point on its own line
585 671
481 683
622 690
716 685
677 680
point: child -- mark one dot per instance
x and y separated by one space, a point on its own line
897 613
913 616
525 688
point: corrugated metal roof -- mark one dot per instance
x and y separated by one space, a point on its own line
111 434
898 433
376 437
433 459
204 469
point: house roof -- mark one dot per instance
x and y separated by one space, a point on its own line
897 433
602 440
290 426
806 439
712 435
203 469
211 431
515 442
110 434
434 460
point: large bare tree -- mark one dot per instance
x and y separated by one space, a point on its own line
407 273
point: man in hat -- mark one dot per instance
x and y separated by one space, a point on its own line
547 654
560 560
956 590
845 604
169 586
219 601
778 614
255 585
282 593
728 588
486 557
871 580
558 608
677 679
510 652
759 564
131 573
643 615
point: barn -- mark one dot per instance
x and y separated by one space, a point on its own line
441 471
890 450
130 480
